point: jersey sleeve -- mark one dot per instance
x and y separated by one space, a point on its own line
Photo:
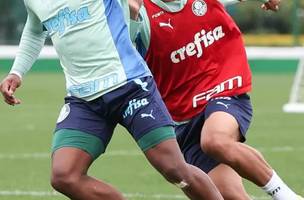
31 43
126 12
141 32
135 27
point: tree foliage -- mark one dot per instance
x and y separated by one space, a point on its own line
12 19
251 19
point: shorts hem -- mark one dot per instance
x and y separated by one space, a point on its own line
155 137
94 157
152 128
89 143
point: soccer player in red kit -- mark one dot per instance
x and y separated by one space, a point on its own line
196 53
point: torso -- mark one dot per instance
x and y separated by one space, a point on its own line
196 54
92 41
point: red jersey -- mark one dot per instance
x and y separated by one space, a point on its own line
196 54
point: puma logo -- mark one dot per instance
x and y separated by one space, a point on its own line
163 24
221 103
143 115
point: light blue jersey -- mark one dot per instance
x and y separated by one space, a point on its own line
92 40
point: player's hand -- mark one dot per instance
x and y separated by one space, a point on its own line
134 6
8 87
273 5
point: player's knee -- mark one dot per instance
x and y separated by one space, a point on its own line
219 148
62 180
212 144
176 174
172 174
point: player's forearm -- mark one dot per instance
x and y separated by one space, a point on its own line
31 43
29 50
135 26
141 28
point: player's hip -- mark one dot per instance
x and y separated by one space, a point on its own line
136 105
239 106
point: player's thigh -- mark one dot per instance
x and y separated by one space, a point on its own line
227 119
188 138
145 115
81 131
165 156
220 126
73 152
228 182
70 161
147 119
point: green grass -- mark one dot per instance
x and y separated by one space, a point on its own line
27 129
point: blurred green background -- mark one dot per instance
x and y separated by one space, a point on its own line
26 130
26 135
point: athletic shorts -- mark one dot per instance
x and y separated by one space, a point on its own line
189 134
137 106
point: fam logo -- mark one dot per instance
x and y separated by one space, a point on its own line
230 84
92 87
66 18
199 7
134 104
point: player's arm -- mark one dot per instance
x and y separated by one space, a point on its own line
31 43
139 26
135 19
125 8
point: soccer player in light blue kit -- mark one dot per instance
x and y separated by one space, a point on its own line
107 83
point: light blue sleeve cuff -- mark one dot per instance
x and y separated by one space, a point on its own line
16 73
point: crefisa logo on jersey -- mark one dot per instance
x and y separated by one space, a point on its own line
199 7
66 18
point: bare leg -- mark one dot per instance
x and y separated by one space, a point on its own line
167 158
69 176
228 182
221 142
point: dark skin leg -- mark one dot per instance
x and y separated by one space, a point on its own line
222 143
167 158
231 187
69 177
